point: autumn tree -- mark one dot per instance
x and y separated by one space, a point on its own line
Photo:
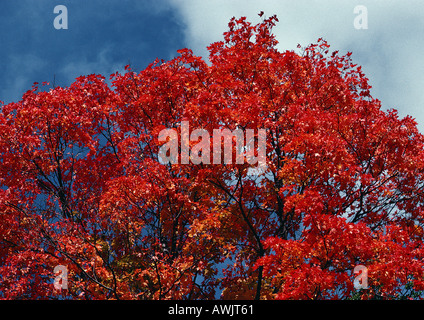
82 184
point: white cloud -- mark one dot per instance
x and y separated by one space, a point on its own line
390 50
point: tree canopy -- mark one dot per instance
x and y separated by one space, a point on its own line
81 184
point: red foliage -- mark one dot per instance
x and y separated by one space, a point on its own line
81 184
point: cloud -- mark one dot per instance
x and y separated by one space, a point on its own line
102 63
389 50
102 38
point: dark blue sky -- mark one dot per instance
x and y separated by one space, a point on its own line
102 37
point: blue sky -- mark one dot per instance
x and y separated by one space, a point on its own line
103 36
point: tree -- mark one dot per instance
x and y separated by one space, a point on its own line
82 185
